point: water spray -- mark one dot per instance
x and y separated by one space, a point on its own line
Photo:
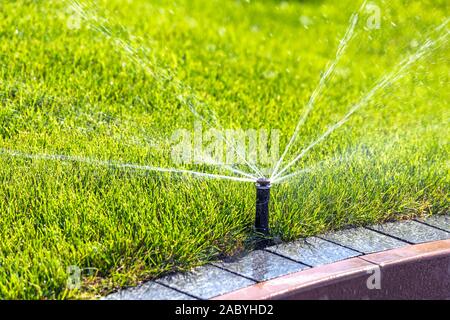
262 210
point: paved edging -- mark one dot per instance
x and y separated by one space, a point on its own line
400 271
309 254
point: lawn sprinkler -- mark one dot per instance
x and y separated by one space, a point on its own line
262 208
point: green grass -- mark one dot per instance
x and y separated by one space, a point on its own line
71 91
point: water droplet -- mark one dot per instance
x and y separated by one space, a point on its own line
222 31
270 74
414 43
305 21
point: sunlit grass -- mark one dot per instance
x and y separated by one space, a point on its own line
66 89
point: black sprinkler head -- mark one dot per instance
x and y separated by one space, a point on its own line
263 182
262 206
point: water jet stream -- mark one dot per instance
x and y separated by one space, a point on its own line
162 74
322 84
316 166
189 99
393 76
210 161
116 165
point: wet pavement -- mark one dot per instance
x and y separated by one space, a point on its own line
221 277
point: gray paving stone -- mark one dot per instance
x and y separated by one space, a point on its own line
148 291
206 282
412 231
262 265
364 240
441 221
313 251
210 281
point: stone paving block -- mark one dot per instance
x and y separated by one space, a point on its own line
412 231
313 251
211 281
148 291
206 282
262 265
439 221
364 240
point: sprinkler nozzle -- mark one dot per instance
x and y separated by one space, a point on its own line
262 206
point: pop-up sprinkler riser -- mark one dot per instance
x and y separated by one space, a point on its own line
262 206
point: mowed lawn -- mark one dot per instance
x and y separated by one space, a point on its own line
116 84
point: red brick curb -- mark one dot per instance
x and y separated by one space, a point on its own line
413 272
